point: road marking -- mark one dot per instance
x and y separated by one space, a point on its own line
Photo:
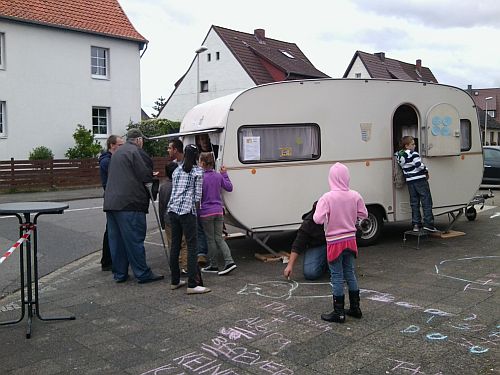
83 209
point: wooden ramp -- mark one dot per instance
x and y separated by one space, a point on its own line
449 234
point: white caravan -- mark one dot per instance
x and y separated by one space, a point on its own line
279 140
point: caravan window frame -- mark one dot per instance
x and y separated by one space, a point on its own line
262 127
465 123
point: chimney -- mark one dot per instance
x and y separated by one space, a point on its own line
260 35
380 55
418 67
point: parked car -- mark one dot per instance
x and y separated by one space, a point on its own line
491 175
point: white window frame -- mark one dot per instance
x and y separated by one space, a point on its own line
2 50
96 62
3 122
95 121
203 86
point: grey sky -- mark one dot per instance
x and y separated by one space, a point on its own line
457 40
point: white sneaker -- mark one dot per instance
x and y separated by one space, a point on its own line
198 290
177 286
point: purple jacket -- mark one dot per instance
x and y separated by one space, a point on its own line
211 200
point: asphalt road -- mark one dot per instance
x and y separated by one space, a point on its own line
62 239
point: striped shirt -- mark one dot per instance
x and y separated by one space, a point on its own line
411 164
186 191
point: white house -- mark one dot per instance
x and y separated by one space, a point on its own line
62 64
229 61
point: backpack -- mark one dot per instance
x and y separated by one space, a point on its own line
398 177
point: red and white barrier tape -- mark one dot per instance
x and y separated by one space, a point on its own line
16 245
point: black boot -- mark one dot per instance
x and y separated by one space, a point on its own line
337 315
354 309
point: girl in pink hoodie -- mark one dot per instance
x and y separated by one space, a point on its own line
339 210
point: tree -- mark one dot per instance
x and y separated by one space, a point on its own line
86 146
159 104
154 127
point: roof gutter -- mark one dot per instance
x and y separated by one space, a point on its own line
145 49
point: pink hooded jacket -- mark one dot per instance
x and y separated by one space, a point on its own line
339 209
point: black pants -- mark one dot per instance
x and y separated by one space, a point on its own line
184 225
106 254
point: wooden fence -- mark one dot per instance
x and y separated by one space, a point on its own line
30 175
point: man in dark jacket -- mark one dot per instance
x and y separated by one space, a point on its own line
126 203
112 144
311 242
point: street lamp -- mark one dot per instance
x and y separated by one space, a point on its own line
486 118
198 86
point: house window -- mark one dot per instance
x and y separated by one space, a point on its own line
3 125
100 120
217 55
203 86
358 75
99 60
2 51
465 135
491 113
278 143
209 57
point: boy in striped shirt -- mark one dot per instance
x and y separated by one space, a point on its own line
416 175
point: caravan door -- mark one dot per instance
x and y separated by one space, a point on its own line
441 135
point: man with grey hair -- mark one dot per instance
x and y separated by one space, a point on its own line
126 203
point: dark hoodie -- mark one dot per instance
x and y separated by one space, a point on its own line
104 160
309 234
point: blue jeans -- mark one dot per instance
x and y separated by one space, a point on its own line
202 247
342 269
420 193
183 225
315 263
126 234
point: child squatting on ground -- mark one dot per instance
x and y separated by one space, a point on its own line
416 176
339 210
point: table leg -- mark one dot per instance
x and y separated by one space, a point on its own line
21 268
35 268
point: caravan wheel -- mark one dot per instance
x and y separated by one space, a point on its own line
371 227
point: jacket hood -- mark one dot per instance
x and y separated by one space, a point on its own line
339 177
105 155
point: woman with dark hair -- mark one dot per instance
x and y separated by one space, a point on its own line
187 183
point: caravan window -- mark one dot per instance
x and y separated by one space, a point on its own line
277 143
465 135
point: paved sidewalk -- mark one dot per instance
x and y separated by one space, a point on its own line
426 312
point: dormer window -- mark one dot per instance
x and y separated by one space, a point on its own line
287 54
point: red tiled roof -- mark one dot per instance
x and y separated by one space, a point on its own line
104 17
387 68
249 52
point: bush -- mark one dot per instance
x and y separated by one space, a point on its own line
86 146
154 127
41 153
